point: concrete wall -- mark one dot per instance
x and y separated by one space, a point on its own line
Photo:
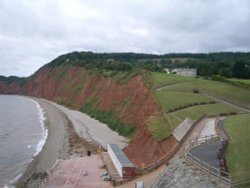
180 131
183 72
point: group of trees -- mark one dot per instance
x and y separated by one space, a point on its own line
108 61
207 67
224 64
241 70
14 79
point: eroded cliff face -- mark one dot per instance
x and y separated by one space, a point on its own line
12 88
132 101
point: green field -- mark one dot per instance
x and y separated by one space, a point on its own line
220 90
246 81
238 153
162 79
173 99
161 126
196 112
173 91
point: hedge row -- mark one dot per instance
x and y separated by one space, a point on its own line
234 83
190 105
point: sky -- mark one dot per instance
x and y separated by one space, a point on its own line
34 32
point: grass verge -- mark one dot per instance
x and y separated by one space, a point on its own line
196 112
159 128
172 99
224 91
238 153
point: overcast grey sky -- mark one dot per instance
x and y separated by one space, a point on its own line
33 32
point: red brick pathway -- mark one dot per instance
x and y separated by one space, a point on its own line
81 172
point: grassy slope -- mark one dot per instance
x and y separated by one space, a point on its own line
161 126
196 112
179 92
162 79
173 99
238 153
246 81
158 128
217 89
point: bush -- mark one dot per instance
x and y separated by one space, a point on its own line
232 113
195 90
203 103
234 83
109 118
223 114
212 102
195 103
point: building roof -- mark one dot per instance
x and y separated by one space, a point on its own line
123 159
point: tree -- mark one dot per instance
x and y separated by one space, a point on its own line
239 69
226 72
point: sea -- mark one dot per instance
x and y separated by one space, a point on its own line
22 136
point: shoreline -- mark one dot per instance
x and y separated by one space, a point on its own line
62 143
70 134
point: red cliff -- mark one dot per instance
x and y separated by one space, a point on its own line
132 101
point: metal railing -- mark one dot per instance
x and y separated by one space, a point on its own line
211 171
171 153
158 163
203 141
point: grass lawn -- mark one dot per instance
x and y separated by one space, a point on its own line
172 99
179 93
196 112
161 79
238 152
160 127
217 89
246 81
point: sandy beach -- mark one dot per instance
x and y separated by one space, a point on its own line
70 134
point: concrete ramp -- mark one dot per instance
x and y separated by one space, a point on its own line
181 130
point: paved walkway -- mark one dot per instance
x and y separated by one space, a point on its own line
208 153
195 134
81 172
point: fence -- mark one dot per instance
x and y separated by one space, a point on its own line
212 172
172 151
159 162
